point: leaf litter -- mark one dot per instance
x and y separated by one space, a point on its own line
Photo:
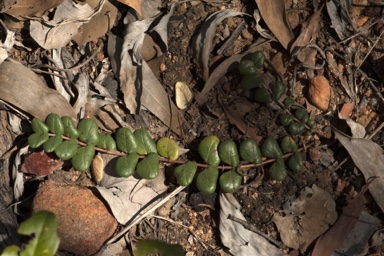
155 98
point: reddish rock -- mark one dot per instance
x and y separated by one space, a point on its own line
320 92
84 221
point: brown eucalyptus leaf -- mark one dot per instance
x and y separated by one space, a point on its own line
369 158
203 44
68 18
274 15
135 4
335 236
23 89
99 24
28 8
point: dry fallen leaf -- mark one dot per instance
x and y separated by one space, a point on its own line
23 89
320 92
135 4
30 8
97 168
274 15
369 158
183 95
305 218
336 235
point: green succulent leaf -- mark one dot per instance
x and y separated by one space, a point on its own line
296 128
311 123
126 165
251 81
66 149
42 226
69 127
206 180
168 148
208 150
288 144
106 141
155 247
148 168
228 153
230 181
38 126
250 151
185 173
302 115
278 170
278 90
52 143
35 140
288 102
54 123
286 119
88 131
258 59
11 250
262 95
247 67
82 159
270 148
125 140
145 143
296 163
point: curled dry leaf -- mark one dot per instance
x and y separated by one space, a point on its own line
203 44
135 4
320 92
183 95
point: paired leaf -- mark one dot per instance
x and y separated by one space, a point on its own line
228 153
278 90
258 59
270 148
148 168
54 123
42 226
126 165
168 148
208 150
288 102
278 170
35 140
250 151
302 115
88 131
286 119
296 163
106 141
251 81
247 67
145 143
38 126
52 143
69 127
125 140
185 173
296 128
206 181
262 95
66 149
230 181
82 159
288 144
